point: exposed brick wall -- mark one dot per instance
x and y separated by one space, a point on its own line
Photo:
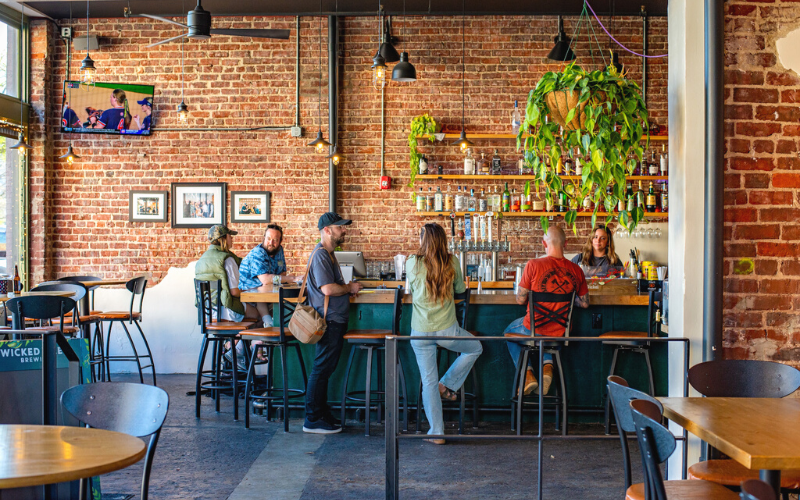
762 217
237 82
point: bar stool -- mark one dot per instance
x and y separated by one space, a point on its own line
274 337
371 341
217 333
539 316
137 287
443 358
654 312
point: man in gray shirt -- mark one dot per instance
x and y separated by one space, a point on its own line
325 280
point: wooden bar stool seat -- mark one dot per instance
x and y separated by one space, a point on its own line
267 333
686 490
229 326
119 315
89 318
732 473
67 330
367 334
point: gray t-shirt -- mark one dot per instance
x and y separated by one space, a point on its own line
324 270
601 263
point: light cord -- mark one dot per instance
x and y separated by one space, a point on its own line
617 41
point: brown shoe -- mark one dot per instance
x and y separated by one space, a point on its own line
435 441
446 394
547 378
530 382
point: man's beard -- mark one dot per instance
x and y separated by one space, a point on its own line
273 253
337 241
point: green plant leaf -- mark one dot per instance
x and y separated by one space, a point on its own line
544 222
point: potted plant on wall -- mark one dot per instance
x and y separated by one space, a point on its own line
598 114
421 126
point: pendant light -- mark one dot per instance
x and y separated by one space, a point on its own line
462 141
378 61
404 71
21 146
320 143
614 55
387 50
336 157
87 65
70 155
182 109
561 50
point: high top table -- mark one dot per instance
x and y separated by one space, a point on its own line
759 433
85 306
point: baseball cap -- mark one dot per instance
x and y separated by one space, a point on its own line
147 101
332 219
218 231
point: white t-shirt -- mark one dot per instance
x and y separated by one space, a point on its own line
232 270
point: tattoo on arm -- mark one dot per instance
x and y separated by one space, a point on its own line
522 295
582 302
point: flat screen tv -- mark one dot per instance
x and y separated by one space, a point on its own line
107 108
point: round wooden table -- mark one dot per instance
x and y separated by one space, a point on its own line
32 455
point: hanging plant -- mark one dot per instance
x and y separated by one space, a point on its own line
421 126
602 115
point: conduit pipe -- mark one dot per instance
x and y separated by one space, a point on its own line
333 103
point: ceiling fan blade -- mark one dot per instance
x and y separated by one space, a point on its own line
254 33
169 40
159 18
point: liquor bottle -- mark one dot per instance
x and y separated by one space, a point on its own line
423 165
643 165
664 200
525 203
438 200
484 165
578 164
472 202
516 120
494 202
469 163
621 203
650 203
587 204
420 201
448 200
429 201
521 166
631 199
657 195
563 204
497 168
506 200
568 165
664 160
482 204
640 196
515 204
459 201
17 281
559 170
653 166
537 205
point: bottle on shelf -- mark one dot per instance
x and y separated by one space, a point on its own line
525 203
568 165
578 163
587 204
521 166
429 201
420 201
497 167
631 199
650 202
515 203
664 160
423 165
563 203
459 201
516 119
438 200
469 163
657 194
506 200
621 202
17 280
482 204
537 204
643 165
448 200
640 196
664 200
559 169
653 165
473 205
496 200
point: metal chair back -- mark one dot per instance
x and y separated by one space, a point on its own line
559 310
84 278
208 302
42 307
655 311
137 286
76 288
756 489
462 308
135 409
736 378
397 310
656 444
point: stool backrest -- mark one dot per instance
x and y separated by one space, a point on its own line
545 307
207 300
756 489
656 444
735 378
287 306
76 288
84 278
655 305
137 286
397 309
462 308
41 307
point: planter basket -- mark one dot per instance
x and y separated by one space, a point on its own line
560 102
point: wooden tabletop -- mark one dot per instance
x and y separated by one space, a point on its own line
103 282
39 294
32 455
759 433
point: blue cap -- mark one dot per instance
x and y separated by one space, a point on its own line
332 219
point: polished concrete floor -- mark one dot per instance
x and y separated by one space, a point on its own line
217 458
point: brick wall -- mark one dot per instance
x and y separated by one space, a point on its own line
762 234
81 211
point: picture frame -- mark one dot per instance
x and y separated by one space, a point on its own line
147 206
198 204
250 206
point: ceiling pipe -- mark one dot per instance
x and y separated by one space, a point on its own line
333 101
643 13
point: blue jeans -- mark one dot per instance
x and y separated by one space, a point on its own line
425 351
326 358
514 348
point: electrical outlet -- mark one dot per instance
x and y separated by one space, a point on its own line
597 320
297 132
66 33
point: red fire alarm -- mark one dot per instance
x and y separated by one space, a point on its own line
386 182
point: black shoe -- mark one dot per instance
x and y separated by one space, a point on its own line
320 427
329 418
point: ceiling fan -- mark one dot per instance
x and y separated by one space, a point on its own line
198 22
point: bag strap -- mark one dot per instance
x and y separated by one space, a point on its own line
300 298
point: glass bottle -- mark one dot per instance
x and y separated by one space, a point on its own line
459 201
631 203
448 200
438 200
640 196
429 201
664 200
469 163
497 167
473 205
578 164
420 201
423 165
484 165
482 205
506 200
515 204
664 160
568 165
516 120
653 165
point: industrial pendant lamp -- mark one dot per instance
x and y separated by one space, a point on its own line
404 71
462 141
87 65
561 51
335 157
614 55
378 61
182 109
387 50
21 146
320 143
70 155
615 62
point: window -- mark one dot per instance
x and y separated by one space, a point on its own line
10 67
10 211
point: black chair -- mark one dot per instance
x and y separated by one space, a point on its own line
91 289
40 308
135 409
216 334
656 444
654 313
621 395
137 287
742 379
372 341
539 316
443 359
270 338
755 489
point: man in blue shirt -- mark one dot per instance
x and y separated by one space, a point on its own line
258 270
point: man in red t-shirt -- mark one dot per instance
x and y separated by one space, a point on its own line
554 274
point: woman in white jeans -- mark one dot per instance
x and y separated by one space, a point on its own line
433 277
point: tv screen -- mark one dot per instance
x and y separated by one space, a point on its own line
107 108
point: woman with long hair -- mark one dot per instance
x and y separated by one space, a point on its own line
599 251
119 116
434 275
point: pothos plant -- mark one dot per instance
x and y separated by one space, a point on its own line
604 118
421 126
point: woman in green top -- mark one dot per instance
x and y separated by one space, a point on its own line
433 276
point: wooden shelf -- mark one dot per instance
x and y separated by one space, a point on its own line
653 138
529 177
537 214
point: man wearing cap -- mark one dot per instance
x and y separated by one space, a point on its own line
325 280
147 109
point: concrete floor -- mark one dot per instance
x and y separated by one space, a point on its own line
216 458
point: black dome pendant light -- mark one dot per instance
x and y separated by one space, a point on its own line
387 50
561 51
320 143
404 71
462 141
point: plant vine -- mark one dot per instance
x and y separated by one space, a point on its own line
421 126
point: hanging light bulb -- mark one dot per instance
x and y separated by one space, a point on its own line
463 143
70 155
378 71
21 146
183 112
320 143
335 157
87 65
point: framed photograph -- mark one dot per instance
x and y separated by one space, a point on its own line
198 204
147 206
250 206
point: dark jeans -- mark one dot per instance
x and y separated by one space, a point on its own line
327 357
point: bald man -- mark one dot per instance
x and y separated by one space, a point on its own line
553 274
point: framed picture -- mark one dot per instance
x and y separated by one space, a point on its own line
250 206
198 204
147 206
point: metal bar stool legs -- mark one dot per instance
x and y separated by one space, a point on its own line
285 391
517 396
136 357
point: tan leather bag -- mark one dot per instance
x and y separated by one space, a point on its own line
306 324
